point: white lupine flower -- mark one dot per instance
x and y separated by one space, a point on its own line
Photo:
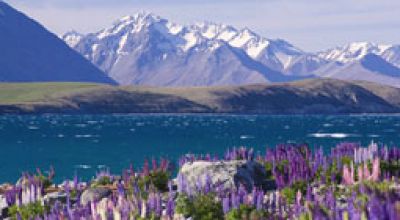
93 209
102 209
144 210
365 154
116 214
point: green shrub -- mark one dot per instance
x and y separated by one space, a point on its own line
28 211
347 160
246 212
268 170
331 171
281 165
159 179
102 181
46 182
200 207
290 192
391 167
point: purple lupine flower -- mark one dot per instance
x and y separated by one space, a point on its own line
241 193
182 183
19 216
225 205
120 189
254 196
154 164
67 191
170 207
145 170
260 200
235 200
309 194
199 184
207 183
11 196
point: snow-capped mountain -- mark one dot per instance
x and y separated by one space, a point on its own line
145 49
30 53
148 50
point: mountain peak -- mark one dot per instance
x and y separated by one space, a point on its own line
353 51
72 38
140 16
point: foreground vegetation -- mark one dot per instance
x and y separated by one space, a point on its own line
351 182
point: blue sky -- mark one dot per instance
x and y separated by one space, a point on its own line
309 24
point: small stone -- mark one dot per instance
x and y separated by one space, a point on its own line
51 198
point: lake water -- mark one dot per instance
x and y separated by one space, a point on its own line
83 144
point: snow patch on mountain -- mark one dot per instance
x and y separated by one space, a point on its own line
354 51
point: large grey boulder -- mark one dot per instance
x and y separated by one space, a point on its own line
228 173
94 194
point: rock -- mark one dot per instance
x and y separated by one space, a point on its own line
4 187
3 207
94 194
228 173
51 198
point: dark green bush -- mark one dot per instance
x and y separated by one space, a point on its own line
200 207
158 179
246 212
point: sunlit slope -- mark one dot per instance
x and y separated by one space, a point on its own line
316 96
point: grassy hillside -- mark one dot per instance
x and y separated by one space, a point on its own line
303 97
19 93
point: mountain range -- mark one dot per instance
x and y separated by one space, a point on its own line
146 49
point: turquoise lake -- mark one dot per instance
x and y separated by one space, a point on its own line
83 144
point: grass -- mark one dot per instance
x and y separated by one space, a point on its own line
309 96
18 93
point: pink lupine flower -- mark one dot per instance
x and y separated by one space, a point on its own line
352 172
360 173
348 176
298 198
367 173
375 170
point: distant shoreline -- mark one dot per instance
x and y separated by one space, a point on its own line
308 97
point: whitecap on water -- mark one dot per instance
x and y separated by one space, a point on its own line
246 137
85 135
33 128
373 135
332 135
83 166
287 127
